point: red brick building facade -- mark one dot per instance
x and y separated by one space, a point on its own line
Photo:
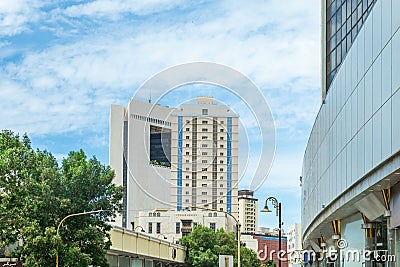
268 246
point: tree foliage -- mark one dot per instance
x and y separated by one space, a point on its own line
36 194
204 245
269 263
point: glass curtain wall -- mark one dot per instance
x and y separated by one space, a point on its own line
344 19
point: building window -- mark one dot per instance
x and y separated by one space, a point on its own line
221 185
187 177
204 137
204 111
221 209
221 177
204 193
187 129
222 122
204 201
221 201
150 230
221 130
187 137
204 185
187 161
158 228
204 153
187 200
150 214
204 161
203 145
221 154
221 161
221 193
221 138
204 130
204 177
187 153
221 169
187 184
221 146
187 192
187 145
203 169
178 228
212 226
187 168
204 122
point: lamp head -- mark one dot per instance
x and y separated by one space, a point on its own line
266 209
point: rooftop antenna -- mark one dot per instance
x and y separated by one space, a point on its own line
150 96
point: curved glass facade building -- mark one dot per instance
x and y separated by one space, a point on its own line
351 166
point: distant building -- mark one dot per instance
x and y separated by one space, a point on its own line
248 211
174 158
294 243
266 246
172 224
269 231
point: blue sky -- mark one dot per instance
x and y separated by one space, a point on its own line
64 62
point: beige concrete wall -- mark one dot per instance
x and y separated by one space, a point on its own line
129 243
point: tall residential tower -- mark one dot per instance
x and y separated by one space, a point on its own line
204 156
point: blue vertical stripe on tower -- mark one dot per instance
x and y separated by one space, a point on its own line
179 193
229 167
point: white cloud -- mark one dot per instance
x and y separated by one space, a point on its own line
15 15
113 9
273 43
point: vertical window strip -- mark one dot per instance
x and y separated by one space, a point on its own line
179 200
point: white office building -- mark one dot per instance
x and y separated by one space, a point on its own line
294 244
351 166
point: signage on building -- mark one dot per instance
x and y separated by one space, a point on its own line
225 261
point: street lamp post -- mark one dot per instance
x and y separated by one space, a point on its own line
139 227
277 206
68 216
237 227
162 236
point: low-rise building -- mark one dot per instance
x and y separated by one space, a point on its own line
172 224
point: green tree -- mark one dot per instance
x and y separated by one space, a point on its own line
270 263
248 257
36 194
204 245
